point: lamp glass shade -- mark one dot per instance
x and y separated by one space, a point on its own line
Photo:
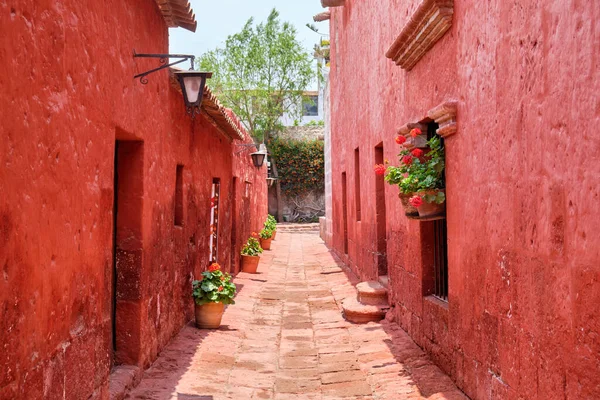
258 158
192 86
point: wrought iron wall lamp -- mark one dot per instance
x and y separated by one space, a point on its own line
192 82
258 157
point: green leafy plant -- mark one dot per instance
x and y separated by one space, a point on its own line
300 165
315 123
252 247
419 172
214 287
271 223
265 234
261 73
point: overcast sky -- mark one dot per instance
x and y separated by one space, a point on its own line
221 18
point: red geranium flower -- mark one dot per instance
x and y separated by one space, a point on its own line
407 160
220 288
222 278
417 153
400 139
415 201
214 267
415 132
380 169
254 234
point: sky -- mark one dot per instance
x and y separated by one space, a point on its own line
221 18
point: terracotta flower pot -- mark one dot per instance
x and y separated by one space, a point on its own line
431 209
266 243
250 264
409 210
274 233
208 316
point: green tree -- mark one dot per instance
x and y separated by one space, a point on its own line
261 73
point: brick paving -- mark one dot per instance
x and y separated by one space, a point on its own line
285 338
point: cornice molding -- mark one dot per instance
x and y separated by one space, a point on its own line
333 3
428 24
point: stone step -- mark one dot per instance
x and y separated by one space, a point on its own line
362 313
384 280
372 293
288 227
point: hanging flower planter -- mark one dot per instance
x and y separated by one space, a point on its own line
430 203
420 176
409 210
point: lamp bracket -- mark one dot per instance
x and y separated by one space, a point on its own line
245 145
162 58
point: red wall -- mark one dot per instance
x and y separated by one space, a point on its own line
68 94
523 176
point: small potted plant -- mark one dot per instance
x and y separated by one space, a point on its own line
210 294
271 224
266 236
251 255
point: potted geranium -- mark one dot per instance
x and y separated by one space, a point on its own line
420 178
210 294
271 224
407 182
266 236
430 196
251 255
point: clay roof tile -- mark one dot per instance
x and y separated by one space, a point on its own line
178 13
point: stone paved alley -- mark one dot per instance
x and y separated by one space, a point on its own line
285 338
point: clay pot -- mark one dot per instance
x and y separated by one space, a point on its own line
430 210
274 233
266 243
409 210
208 316
250 264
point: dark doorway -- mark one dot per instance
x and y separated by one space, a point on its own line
114 252
215 216
382 267
127 251
234 211
345 211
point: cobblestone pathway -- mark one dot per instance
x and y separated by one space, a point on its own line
286 339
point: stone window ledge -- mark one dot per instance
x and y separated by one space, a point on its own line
440 304
324 16
444 115
428 24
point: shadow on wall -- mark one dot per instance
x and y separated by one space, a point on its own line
164 377
422 372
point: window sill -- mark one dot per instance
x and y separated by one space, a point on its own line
437 302
425 219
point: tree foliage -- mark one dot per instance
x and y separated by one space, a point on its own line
261 74
301 165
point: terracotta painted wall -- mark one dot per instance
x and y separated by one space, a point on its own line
523 180
68 94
